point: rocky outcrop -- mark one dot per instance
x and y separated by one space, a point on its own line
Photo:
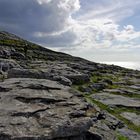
133 117
117 100
60 72
41 109
7 64
129 134
48 95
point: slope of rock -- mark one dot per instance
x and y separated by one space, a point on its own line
48 95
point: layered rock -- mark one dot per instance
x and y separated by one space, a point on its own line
48 95
41 109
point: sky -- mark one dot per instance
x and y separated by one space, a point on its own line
98 30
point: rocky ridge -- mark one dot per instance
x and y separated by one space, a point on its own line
48 95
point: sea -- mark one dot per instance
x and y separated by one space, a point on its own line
131 65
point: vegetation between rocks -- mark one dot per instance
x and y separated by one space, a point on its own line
115 112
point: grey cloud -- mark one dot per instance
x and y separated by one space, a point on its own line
62 40
26 17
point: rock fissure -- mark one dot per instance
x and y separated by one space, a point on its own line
38 100
28 114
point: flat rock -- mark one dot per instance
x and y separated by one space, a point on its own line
41 109
131 135
136 87
117 100
7 64
133 117
125 91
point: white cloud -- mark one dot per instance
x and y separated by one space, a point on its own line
127 34
129 28
43 1
116 10
60 18
96 29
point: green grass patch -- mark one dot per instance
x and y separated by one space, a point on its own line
114 86
121 137
131 95
115 112
120 110
129 124
12 42
97 77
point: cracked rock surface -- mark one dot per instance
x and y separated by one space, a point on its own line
39 108
48 95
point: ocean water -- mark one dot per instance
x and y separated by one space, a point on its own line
131 65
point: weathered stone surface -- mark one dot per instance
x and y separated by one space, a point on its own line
136 87
125 91
108 81
7 64
106 127
17 55
63 80
131 135
40 109
27 73
65 75
8 53
101 129
40 100
133 117
117 100
98 86
4 53
64 70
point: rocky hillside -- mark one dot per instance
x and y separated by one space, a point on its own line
48 95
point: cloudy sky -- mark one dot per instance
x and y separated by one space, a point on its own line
99 30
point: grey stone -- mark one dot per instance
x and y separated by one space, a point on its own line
108 81
17 55
39 101
101 129
27 73
36 109
98 86
117 100
7 64
133 117
136 87
131 135
125 91
63 80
